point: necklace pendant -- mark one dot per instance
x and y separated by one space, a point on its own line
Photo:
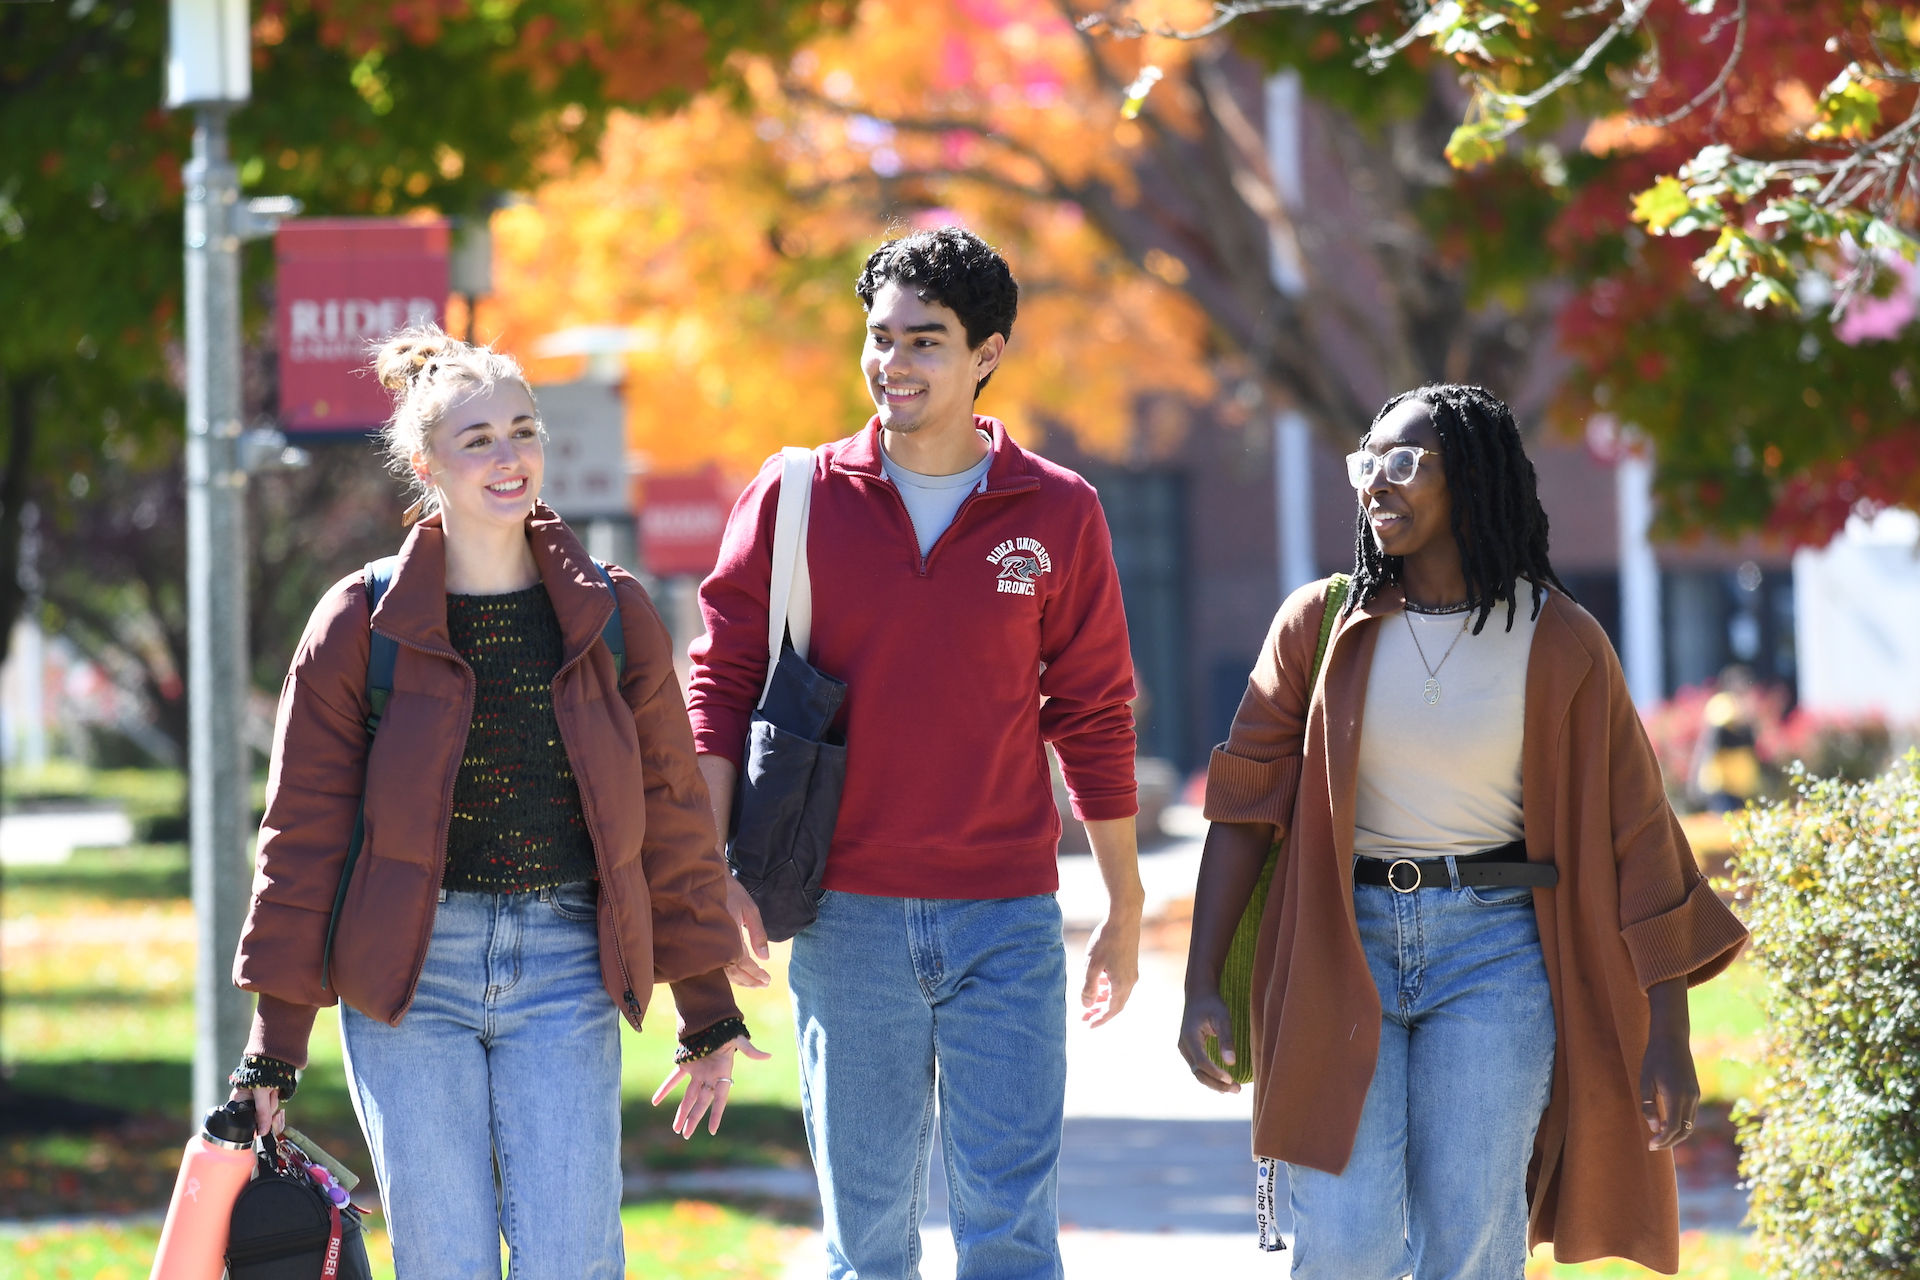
1432 690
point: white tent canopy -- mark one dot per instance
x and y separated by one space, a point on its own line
1857 619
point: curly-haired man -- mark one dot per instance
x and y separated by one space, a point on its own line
965 590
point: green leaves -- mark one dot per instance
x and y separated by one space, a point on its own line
1739 255
1484 30
1478 142
1136 96
1849 108
1883 235
1831 880
1681 205
1492 117
1808 216
1662 205
370 84
1755 250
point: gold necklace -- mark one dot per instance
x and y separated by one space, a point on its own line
1432 688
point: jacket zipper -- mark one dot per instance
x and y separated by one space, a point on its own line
446 822
927 559
631 1003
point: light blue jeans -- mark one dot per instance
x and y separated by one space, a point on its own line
895 999
1436 1187
509 1060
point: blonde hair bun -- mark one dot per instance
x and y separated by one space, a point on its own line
399 360
426 369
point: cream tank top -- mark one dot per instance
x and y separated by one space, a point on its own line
1440 763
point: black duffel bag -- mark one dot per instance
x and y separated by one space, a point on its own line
788 797
286 1227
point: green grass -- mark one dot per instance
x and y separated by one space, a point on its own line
98 967
691 1240
686 1240
99 1009
142 791
155 800
1704 1255
1727 1021
138 873
87 1252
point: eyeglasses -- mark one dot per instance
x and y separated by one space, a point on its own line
1402 464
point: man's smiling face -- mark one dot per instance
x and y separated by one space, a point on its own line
918 367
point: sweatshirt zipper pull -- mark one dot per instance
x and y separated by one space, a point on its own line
633 1005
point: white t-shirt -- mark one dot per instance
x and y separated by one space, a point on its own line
933 501
1443 777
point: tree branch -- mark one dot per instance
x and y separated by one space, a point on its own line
1719 84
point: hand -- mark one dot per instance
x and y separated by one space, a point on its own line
1669 1089
1207 1015
266 1108
743 972
1113 968
709 1081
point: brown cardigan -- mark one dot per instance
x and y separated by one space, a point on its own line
1631 909
663 912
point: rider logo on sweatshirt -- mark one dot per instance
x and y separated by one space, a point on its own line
1021 562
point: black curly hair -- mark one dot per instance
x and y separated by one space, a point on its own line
1498 522
954 268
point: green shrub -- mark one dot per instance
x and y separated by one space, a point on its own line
1831 883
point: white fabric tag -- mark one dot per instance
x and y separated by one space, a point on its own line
1266 1172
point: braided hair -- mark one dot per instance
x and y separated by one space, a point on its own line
1498 522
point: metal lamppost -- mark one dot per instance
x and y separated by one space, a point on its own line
209 69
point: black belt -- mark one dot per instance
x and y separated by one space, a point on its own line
1504 867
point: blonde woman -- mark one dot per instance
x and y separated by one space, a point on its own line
537 852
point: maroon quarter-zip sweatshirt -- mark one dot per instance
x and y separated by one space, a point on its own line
960 665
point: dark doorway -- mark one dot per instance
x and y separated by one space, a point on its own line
1598 592
1147 515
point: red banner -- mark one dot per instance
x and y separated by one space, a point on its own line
345 284
681 520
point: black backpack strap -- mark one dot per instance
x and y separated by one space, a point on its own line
611 635
383 651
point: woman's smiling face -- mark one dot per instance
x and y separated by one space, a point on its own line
486 457
1407 518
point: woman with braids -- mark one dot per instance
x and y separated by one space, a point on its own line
538 851
1469 1012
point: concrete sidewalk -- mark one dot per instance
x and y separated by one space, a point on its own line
1156 1175
1156 1172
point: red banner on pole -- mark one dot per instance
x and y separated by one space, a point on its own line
344 284
681 520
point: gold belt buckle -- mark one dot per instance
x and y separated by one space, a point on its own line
1394 884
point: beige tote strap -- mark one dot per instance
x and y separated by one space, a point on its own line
790 594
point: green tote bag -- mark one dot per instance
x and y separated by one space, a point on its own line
1236 978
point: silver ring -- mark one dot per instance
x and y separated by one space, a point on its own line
724 1080
1394 884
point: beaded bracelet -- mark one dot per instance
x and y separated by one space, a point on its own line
702 1044
258 1071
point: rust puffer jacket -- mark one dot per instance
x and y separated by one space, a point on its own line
663 914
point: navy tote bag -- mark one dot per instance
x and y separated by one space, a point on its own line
788 798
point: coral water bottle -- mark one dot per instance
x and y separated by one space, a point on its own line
218 1163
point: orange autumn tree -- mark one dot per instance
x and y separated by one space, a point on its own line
727 238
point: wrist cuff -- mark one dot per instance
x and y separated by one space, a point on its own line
703 1044
257 1071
